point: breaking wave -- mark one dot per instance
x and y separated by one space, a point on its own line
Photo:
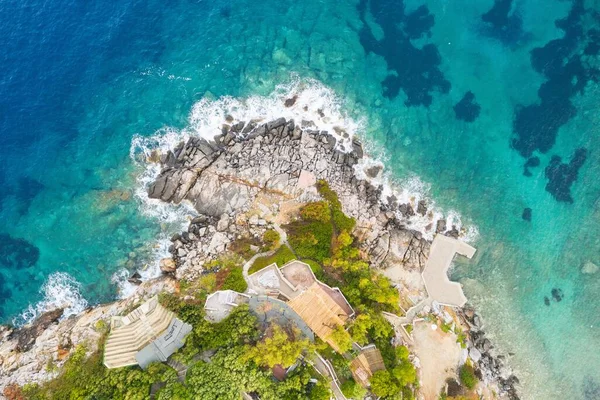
60 290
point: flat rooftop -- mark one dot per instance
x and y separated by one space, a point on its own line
435 274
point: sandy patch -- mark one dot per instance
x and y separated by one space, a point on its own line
439 355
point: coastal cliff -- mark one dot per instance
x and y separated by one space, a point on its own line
250 178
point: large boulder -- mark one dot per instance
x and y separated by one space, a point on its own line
26 336
168 265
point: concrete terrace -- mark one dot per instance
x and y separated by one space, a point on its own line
291 280
219 304
435 275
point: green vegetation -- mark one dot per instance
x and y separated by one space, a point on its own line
279 347
341 338
369 326
310 239
340 220
242 247
271 239
280 257
235 280
317 211
467 376
353 390
445 327
398 379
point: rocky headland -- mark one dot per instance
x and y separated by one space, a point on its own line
251 177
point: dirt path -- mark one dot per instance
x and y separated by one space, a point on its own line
439 355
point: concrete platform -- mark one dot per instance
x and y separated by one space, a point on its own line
435 274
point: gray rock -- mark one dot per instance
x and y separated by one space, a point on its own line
275 124
422 207
26 336
223 223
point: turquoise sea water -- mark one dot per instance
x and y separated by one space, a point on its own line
79 81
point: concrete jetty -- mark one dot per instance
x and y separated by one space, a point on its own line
435 274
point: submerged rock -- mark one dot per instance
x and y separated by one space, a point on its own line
590 268
557 294
527 214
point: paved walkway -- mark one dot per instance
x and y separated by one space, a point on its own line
435 274
325 369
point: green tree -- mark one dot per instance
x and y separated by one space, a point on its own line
316 211
353 390
175 391
278 347
369 326
384 385
320 391
342 338
405 373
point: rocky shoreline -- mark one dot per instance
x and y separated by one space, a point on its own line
243 182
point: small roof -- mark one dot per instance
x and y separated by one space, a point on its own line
320 312
366 364
134 331
165 345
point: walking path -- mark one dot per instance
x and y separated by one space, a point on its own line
324 368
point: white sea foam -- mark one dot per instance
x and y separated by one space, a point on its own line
60 290
314 102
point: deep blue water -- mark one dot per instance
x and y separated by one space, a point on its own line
494 103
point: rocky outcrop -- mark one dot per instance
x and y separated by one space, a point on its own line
223 178
26 336
492 366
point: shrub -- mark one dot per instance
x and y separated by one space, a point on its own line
235 280
271 239
311 240
467 376
383 384
280 257
341 338
316 211
353 390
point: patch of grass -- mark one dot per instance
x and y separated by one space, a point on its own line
271 239
467 376
235 280
280 257
242 247
445 327
311 239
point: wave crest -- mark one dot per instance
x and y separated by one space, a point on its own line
60 290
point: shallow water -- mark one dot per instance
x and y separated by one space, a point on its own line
80 82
